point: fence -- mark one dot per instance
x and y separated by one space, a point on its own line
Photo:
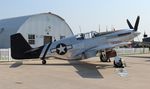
130 51
5 54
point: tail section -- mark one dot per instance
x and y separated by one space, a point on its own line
20 49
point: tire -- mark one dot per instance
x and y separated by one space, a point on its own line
43 62
103 58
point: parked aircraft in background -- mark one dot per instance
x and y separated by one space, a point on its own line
146 40
81 46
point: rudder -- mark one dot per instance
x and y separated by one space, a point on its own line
19 46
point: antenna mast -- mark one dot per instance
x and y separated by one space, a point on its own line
80 28
99 28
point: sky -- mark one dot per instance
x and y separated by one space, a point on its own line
85 14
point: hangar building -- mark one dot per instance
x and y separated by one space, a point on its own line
37 29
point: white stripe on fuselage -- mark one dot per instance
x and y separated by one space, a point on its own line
43 51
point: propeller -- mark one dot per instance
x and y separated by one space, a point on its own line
136 24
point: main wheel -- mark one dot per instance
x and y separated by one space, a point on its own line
43 62
103 58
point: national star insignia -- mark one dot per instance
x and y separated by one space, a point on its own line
61 49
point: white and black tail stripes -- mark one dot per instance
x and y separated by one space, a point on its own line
20 49
43 57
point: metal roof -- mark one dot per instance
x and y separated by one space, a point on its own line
12 23
11 26
15 22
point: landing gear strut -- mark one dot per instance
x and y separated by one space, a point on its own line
107 54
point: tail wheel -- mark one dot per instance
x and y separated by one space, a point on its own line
43 62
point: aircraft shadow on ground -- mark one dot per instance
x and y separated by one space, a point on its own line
84 69
88 70
16 64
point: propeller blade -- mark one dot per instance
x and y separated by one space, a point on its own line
129 24
136 23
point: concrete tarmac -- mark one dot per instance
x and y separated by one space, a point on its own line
86 74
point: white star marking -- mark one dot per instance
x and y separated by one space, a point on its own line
61 49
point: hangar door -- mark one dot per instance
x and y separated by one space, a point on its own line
47 39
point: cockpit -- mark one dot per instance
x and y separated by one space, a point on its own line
94 34
88 35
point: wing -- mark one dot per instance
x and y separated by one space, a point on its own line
110 46
91 52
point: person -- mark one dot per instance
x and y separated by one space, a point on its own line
118 62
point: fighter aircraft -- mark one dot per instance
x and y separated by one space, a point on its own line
81 46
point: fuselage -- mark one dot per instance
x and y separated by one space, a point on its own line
73 47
